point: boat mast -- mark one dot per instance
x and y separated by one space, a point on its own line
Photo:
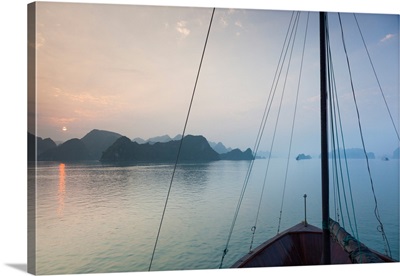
324 142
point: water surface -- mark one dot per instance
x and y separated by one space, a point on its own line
97 218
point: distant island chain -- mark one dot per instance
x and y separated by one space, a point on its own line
111 147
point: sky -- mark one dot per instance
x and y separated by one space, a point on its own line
131 69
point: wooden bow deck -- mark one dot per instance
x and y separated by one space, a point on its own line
302 245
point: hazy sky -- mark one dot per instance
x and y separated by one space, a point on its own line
131 69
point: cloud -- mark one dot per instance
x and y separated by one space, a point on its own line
227 19
239 24
61 121
85 98
387 37
231 11
182 29
223 22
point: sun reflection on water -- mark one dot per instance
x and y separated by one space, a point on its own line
61 189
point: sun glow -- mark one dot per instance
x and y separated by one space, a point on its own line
64 128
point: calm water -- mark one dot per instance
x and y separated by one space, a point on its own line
96 218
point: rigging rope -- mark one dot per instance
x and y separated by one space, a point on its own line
377 79
181 141
337 159
257 144
293 122
335 121
294 29
376 210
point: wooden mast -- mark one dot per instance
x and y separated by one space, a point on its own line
324 143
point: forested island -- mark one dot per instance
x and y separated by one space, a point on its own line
112 147
302 156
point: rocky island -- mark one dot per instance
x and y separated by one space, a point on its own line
302 156
111 147
194 148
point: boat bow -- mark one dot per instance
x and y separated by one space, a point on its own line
302 245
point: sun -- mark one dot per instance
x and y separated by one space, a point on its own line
64 128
